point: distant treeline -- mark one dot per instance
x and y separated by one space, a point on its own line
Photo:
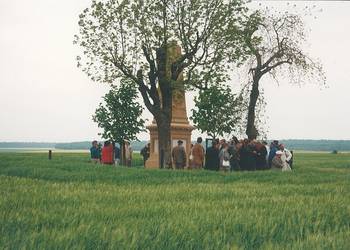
317 145
136 145
308 145
27 145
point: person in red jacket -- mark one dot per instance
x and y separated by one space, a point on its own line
107 154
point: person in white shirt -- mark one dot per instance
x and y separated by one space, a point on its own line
267 149
286 154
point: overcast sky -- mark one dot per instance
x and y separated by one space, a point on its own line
44 97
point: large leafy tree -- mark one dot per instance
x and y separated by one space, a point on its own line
120 114
217 111
275 42
136 39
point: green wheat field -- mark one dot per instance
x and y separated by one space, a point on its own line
68 203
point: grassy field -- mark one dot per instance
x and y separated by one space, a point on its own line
68 203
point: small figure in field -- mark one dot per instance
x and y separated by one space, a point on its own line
197 154
212 161
221 144
261 151
286 155
116 155
224 157
233 150
277 163
145 152
100 149
272 152
248 155
95 152
179 155
128 153
190 157
267 147
107 156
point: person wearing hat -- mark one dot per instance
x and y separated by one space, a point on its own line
277 163
179 155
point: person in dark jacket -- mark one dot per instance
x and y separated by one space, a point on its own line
272 153
212 161
116 155
95 152
261 154
145 152
248 156
234 154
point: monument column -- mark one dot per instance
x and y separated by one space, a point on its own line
180 128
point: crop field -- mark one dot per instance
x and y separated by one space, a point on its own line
69 203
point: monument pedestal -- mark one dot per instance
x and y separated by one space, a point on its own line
179 131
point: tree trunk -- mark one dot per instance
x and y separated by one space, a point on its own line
164 118
122 154
164 139
251 131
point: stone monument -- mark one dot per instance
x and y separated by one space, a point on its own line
180 126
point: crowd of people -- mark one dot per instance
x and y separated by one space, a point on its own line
234 155
110 153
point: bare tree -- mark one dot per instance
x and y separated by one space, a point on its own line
275 42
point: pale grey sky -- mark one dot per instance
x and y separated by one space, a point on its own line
44 97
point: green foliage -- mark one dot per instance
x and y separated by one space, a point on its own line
119 38
68 203
119 115
217 111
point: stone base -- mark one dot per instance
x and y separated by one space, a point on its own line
179 131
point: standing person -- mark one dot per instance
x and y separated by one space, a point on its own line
179 155
267 147
277 163
261 156
286 154
107 155
190 158
100 149
128 153
243 152
272 153
233 150
117 155
252 155
198 154
248 155
224 157
145 152
212 161
95 152
221 142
